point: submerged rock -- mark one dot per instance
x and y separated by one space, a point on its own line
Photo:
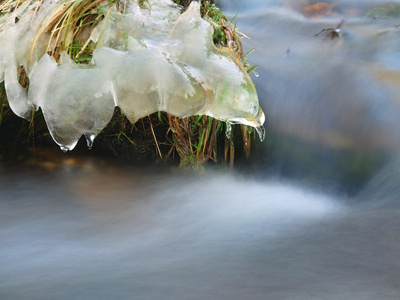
146 60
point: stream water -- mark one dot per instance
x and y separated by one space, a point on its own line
315 214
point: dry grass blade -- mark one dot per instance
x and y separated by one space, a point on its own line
63 23
155 139
195 138
232 39
47 24
9 5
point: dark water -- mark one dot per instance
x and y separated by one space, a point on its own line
79 227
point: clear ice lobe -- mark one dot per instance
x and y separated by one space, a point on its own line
16 94
75 99
229 91
146 60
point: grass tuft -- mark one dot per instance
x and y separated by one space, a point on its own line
195 140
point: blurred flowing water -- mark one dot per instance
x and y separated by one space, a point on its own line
315 214
332 104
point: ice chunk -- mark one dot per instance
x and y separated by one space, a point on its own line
146 81
17 95
231 94
182 72
17 32
9 67
75 99
146 60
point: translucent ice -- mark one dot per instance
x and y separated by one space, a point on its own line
75 99
146 60
17 32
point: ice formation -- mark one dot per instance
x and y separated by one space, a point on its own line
146 60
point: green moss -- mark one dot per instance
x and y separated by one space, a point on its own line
79 56
214 15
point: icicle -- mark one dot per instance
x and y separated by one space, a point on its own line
228 131
261 132
17 95
90 139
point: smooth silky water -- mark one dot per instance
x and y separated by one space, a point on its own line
314 214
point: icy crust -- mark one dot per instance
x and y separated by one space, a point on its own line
75 99
146 60
17 32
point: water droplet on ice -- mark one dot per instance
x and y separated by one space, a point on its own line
64 149
90 140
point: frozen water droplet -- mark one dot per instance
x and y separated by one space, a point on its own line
261 132
64 149
228 131
90 140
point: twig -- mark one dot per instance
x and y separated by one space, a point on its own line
155 138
